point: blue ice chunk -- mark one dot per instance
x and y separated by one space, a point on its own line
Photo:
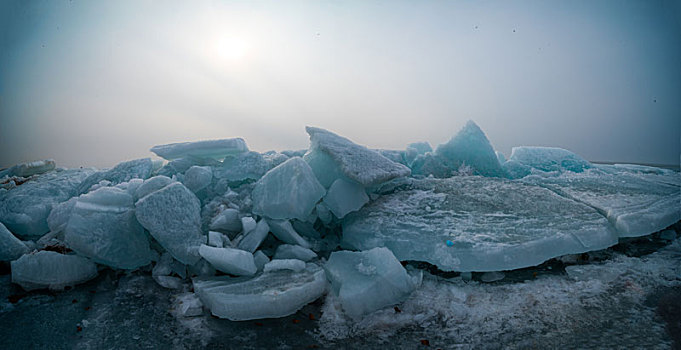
11 248
430 164
172 215
197 178
123 172
243 166
284 264
414 150
29 169
152 184
471 147
229 260
323 213
290 251
368 281
260 259
500 157
60 214
216 149
103 227
254 238
284 231
288 191
228 220
324 167
549 159
516 170
24 209
355 162
46 269
272 294
344 197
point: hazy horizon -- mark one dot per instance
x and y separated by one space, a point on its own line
96 83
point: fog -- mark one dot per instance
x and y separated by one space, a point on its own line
93 83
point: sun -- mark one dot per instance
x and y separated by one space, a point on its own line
231 49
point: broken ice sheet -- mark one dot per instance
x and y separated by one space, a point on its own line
216 149
272 294
494 224
46 269
11 248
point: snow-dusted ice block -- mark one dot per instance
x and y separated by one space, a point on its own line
228 260
254 238
367 281
344 197
284 231
29 169
471 147
288 191
289 251
284 264
11 248
123 172
272 294
24 209
356 162
52 270
549 159
216 149
197 178
243 166
492 224
635 205
103 227
152 184
172 215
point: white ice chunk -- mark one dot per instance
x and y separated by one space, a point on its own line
477 224
634 204
260 259
197 178
289 251
549 159
492 276
46 269
216 239
284 231
471 147
367 281
285 264
103 227
344 197
228 260
24 210
11 248
248 224
189 305
228 220
169 282
288 191
252 240
356 162
173 217
216 149
123 172
272 294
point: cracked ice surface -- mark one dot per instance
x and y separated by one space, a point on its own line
494 224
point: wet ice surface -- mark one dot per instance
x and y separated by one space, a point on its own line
621 301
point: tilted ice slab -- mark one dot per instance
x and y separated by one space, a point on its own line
470 147
229 260
368 281
102 226
243 166
24 209
634 204
549 159
11 248
52 270
216 149
123 172
172 215
272 294
333 154
493 224
289 191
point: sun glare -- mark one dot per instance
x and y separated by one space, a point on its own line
231 49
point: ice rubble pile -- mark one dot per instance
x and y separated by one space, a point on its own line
261 234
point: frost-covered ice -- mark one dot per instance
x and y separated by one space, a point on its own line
470 147
284 264
272 294
103 227
52 270
344 197
29 169
11 248
289 191
24 210
288 251
549 159
635 205
123 172
229 260
356 162
494 224
172 215
367 281
216 149
197 178
243 166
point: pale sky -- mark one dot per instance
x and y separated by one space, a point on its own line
93 83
